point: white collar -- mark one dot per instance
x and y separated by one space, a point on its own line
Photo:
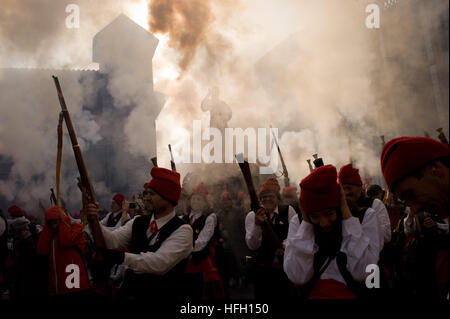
194 213
160 222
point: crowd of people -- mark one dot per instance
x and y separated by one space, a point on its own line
333 238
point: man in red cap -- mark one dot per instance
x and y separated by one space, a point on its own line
329 252
416 170
351 182
202 274
158 243
15 211
289 197
117 216
264 230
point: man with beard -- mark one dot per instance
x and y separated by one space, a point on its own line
327 254
351 182
268 277
158 243
416 170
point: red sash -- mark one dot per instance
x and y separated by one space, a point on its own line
331 289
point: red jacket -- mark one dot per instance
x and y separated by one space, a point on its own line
64 247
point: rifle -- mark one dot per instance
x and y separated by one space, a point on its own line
154 161
52 197
285 172
441 136
172 161
274 241
85 182
100 284
318 161
310 166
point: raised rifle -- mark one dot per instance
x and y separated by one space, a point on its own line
85 182
273 239
172 161
285 171
441 136
155 161
88 195
52 197
318 161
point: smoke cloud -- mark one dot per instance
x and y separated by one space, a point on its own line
312 69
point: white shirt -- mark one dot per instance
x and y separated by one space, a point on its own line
104 221
253 232
207 232
360 242
384 223
175 248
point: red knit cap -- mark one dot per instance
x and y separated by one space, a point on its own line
119 198
15 211
240 195
53 213
166 183
270 184
200 189
225 195
319 190
349 175
289 190
403 155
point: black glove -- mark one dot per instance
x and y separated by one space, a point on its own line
112 257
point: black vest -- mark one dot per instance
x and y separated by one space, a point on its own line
146 286
280 227
112 221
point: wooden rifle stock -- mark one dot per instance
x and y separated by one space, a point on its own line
255 205
84 178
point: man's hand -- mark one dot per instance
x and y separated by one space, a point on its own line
429 223
23 234
260 217
92 210
345 210
304 215
279 252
